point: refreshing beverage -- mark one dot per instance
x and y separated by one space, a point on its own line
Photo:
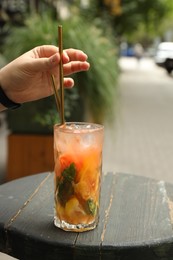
78 163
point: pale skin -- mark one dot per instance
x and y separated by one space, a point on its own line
28 77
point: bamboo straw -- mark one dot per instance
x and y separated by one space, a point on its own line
57 99
61 77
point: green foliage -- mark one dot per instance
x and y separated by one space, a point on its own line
142 18
38 30
95 89
98 85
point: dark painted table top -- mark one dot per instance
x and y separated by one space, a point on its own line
136 215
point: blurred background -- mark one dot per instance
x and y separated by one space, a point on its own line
129 87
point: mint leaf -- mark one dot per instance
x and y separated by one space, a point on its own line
92 208
69 173
65 189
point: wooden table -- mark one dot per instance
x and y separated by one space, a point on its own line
136 216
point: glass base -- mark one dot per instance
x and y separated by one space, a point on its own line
71 227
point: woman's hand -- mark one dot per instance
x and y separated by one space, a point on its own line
28 77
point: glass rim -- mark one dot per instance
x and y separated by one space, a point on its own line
94 127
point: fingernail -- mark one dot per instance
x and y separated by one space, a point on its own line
53 59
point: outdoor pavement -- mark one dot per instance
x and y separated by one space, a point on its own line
140 140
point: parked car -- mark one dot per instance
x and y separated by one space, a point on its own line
164 56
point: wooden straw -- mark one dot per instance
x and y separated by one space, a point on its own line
61 77
57 99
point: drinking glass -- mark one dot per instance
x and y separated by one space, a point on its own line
78 166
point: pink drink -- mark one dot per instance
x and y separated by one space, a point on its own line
78 161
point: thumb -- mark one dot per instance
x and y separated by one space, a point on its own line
43 64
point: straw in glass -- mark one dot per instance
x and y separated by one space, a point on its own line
61 77
59 98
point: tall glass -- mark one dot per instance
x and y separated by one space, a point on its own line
78 166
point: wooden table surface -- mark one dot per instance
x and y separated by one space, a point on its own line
136 216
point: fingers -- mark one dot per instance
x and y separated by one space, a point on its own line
45 51
68 82
75 66
68 68
75 55
68 54
73 60
76 62
45 64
